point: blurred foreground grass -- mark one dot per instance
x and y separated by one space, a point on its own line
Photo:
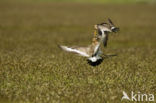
34 70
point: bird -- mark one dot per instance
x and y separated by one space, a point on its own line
105 28
93 52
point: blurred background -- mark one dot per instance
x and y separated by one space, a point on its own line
33 69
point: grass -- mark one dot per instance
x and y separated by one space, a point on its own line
90 1
33 69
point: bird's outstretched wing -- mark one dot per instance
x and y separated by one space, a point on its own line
105 40
74 50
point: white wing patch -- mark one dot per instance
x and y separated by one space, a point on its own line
74 51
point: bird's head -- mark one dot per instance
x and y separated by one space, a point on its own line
105 28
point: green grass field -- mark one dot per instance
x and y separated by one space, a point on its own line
34 70
90 1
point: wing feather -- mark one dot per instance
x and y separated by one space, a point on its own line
105 41
74 50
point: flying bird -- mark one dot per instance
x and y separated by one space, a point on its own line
93 52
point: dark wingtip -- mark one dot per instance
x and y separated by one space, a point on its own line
110 21
105 45
59 46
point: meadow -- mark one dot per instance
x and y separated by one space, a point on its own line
34 70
